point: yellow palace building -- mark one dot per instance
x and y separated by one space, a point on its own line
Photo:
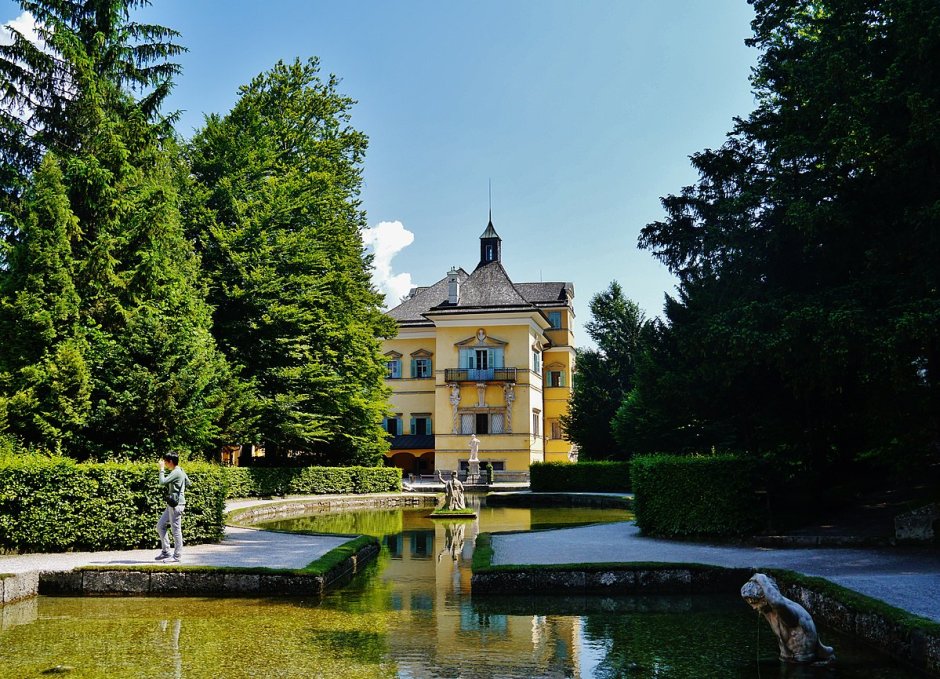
478 354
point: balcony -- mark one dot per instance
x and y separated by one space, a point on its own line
481 375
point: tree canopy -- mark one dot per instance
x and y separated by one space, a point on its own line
162 295
808 317
274 208
604 376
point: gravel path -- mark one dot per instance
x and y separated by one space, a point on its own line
241 547
908 578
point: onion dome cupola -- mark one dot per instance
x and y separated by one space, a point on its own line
490 245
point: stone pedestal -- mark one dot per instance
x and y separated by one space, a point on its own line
473 472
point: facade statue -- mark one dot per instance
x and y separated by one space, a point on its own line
453 492
455 403
510 397
793 625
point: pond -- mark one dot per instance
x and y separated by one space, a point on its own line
410 614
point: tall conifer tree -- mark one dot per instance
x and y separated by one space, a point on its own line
44 377
155 371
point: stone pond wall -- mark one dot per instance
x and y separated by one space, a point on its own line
288 508
17 587
912 645
917 646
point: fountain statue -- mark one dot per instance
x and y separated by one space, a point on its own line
793 625
453 493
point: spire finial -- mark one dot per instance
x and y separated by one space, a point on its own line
490 190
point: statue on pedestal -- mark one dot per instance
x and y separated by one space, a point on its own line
474 463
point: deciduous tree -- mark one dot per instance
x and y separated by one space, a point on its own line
273 205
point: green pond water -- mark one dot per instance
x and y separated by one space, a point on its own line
410 614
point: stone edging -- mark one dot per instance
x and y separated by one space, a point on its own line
284 508
609 579
911 640
819 541
200 581
18 586
918 647
558 500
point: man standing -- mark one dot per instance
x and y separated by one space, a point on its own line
175 484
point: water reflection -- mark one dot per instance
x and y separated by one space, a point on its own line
410 615
171 631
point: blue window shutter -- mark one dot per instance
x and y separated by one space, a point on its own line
412 425
497 358
430 426
561 378
414 368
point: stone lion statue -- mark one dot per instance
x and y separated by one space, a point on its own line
793 625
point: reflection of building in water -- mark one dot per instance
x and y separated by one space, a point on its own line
445 634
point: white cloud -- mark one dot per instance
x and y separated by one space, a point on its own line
25 24
385 241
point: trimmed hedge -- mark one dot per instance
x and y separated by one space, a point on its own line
267 481
585 477
53 504
697 496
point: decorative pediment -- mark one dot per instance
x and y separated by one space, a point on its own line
392 355
421 353
555 366
481 339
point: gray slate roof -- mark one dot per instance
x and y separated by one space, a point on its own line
546 293
410 312
488 287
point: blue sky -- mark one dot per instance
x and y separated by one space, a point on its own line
582 113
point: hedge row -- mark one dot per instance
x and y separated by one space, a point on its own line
267 481
697 496
53 504
598 477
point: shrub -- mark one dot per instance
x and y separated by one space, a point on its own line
697 496
598 477
53 504
265 481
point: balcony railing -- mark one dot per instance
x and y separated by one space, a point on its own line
481 375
